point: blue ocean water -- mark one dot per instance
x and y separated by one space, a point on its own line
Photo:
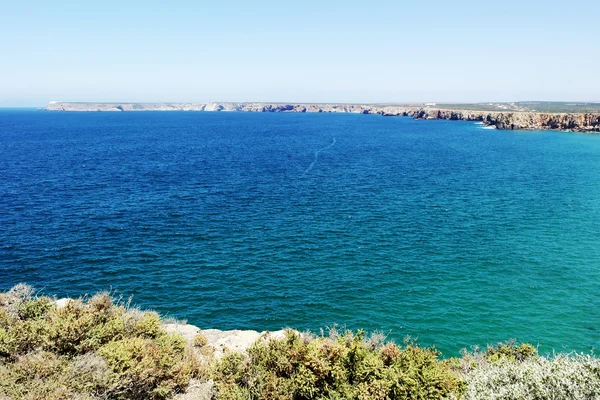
441 230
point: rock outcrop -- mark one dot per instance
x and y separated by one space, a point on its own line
222 341
576 122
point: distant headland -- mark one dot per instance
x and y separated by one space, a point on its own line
575 117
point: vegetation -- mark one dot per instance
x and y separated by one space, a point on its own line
99 348
200 340
569 376
525 106
339 366
84 349
511 371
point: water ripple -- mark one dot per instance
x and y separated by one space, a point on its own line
437 229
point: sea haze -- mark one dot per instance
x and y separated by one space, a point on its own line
440 230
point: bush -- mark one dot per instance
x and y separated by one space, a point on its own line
38 375
337 367
200 340
511 350
146 369
34 309
562 377
87 348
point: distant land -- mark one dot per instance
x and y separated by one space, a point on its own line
575 117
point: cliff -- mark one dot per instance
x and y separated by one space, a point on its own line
576 122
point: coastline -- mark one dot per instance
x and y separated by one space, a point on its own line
504 120
96 347
221 341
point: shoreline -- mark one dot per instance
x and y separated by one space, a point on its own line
503 120
98 347
235 340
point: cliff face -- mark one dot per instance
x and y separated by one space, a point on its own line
568 122
247 107
512 120
577 122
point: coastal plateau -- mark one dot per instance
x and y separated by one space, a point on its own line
504 119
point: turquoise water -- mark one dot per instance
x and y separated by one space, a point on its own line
440 230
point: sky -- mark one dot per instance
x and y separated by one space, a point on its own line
300 51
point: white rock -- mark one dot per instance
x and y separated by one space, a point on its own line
61 303
198 391
235 340
185 330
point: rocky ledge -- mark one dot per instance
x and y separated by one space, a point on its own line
575 122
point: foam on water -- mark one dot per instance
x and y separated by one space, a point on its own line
312 164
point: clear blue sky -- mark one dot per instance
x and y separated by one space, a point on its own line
301 51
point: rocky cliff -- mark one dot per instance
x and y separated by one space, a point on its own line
577 122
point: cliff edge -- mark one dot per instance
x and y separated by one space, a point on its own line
574 122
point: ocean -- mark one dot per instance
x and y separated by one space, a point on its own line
444 231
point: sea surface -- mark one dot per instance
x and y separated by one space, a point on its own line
441 230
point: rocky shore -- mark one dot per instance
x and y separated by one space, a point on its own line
574 122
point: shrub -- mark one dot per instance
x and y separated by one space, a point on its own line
562 377
89 373
11 300
338 367
37 375
511 350
86 349
200 340
34 309
148 325
147 369
77 327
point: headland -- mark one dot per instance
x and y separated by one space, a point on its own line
527 116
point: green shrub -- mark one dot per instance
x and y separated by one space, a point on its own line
200 340
35 308
147 369
86 349
76 328
511 350
37 375
336 367
148 326
7 344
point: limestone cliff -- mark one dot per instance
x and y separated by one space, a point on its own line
577 122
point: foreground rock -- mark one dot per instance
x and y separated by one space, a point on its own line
576 122
222 341
198 391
